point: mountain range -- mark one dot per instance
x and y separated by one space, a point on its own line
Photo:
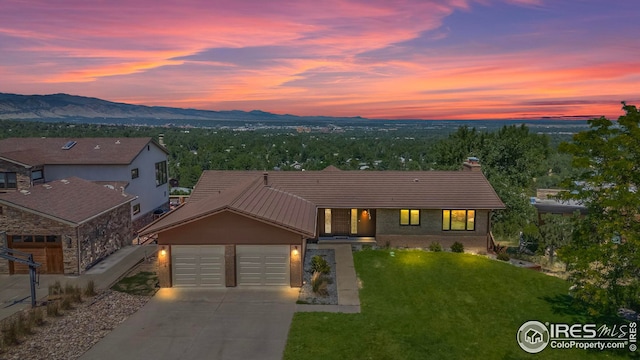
61 107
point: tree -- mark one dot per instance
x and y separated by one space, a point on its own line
555 232
604 255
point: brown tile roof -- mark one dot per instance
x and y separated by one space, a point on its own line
250 198
71 200
86 151
374 189
291 198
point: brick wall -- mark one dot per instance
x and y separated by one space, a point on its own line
390 232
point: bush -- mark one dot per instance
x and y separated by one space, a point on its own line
23 326
9 333
65 304
53 309
36 317
503 256
320 264
457 247
435 247
319 284
90 288
55 290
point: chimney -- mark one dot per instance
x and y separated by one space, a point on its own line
472 164
265 176
161 139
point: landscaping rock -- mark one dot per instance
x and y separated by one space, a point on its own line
306 293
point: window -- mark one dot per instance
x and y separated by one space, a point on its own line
136 209
35 238
354 221
36 175
410 217
8 180
327 221
457 220
135 174
161 173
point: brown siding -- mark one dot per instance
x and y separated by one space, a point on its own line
228 228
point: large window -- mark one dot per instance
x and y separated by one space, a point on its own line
36 175
161 173
354 221
8 180
135 173
458 220
409 217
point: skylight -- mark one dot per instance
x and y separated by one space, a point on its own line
69 145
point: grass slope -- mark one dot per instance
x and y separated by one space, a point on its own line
425 305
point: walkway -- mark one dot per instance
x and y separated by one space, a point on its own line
15 292
347 281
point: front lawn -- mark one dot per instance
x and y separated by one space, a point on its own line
426 305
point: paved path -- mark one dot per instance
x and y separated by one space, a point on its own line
15 292
228 323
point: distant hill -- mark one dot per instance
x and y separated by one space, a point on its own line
63 106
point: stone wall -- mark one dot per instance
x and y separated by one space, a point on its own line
147 218
23 175
102 236
19 222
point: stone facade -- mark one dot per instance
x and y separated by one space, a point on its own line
102 236
23 174
147 218
389 232
98 237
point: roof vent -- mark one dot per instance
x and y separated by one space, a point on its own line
117 142
97 147
109 186
416 180
69 145
64 181
47 186
25 192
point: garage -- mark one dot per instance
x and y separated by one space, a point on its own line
197 265
262 264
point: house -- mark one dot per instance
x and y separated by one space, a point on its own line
252 228
545 202
137 165
68 225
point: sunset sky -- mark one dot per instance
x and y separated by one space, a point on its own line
428 59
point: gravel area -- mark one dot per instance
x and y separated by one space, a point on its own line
306 293
77 330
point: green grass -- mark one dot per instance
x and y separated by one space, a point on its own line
425 305
142 283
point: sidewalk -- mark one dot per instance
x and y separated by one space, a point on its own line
15 293
346 279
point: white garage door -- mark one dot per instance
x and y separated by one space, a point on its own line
197 265
262 264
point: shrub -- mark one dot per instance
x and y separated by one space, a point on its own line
69 289
65 304
457 247
319 284
23 326
55 289
53 309
90 288
435 247
36 317
9 333
503 256
320 264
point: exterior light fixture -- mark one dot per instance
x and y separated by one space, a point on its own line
163 252
295 251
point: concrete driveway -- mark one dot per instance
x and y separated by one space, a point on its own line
230 323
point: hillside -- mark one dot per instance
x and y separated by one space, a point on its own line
63 107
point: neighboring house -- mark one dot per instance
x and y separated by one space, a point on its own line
546 203
137 165
252 228
68 225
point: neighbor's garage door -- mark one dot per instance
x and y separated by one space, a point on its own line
262 264
197 265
